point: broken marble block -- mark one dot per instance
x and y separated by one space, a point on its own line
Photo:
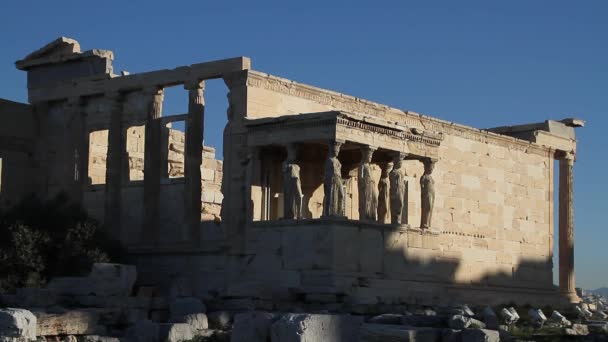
537 317
510 317
560 319
17 324
314 327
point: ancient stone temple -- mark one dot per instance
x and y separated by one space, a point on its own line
319 196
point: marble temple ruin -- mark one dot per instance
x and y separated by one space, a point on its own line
318 196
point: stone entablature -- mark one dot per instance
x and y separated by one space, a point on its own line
338 101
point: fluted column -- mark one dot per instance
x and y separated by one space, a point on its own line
152 166
116 148
368 191
193 158
566 227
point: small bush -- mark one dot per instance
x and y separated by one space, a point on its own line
40 240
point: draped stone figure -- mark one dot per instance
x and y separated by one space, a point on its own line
368 191
398 180
384 194
333 202
292 190
427 191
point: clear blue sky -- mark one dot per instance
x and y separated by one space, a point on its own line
481 63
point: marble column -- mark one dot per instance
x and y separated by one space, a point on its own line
368 190
566 227
292 186
384 189
116 148
152 166
427 194
398 191
333 200
193 158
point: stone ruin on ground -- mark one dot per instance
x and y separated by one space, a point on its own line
105 306
319 199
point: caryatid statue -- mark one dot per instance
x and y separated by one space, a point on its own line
427 191
368 190
292 186
333 202
384 194
398 180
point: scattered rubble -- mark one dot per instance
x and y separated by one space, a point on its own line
111 313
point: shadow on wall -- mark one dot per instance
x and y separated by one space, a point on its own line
426 276
17 141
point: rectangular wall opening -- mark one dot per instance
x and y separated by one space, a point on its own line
98 155
135 145
175 137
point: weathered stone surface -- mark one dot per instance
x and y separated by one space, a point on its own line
537 317
599 315
583 312
509 316
490 318
462 322
559 319
577 330
252 326
113 279
175 332
144 331
386 319
423 321
480 335
600 328
181 307
75 322
196 321
388 332
97 338
17 323
451 335
105 279
219 320
312 328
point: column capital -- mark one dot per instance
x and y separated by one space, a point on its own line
568 156
369 147
399 155
154 90
334 147
194 85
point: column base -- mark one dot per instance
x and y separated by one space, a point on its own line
570 297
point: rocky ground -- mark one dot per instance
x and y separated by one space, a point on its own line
102 307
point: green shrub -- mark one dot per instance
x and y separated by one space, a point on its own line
40 240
